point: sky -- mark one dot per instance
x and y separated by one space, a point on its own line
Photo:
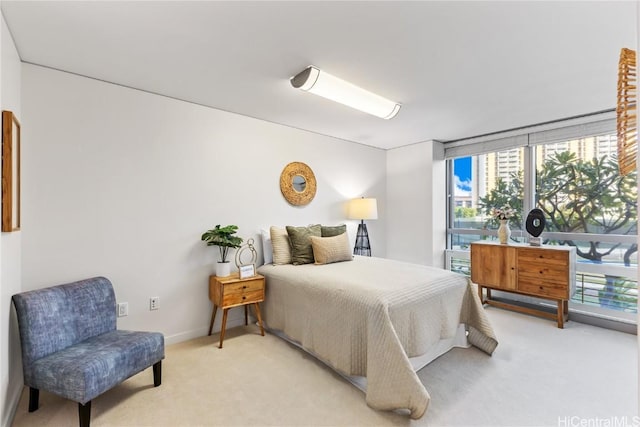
462 176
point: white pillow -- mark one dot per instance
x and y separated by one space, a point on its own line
267 248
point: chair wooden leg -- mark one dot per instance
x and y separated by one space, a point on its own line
34 396
84 413
157 373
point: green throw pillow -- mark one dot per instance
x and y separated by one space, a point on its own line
333 231
301 250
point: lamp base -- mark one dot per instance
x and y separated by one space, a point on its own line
362 247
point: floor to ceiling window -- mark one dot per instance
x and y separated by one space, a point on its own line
569 171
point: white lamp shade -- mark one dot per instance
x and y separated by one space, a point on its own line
324 84
363 209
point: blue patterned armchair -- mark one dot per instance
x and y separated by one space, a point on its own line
71 347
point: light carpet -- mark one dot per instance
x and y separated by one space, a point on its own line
538 376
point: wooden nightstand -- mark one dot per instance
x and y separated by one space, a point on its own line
231 291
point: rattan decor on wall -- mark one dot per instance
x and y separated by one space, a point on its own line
626 112
298 184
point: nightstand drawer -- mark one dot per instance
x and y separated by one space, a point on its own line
243 297
243 286
542 288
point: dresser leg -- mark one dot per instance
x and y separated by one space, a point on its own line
246 317
224 325
560 314
259 318
213 318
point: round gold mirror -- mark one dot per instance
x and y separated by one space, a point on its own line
298 184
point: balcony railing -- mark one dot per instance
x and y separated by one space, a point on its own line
609 288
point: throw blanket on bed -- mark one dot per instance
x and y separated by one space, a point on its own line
369 316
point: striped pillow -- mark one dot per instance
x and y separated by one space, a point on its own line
327 250
281 245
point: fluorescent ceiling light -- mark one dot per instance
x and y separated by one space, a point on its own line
318 82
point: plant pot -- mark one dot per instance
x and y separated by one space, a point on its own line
223 269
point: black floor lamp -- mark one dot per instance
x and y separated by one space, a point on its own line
362 209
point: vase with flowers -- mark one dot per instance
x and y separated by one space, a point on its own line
504 214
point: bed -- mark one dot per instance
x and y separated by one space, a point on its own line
376 321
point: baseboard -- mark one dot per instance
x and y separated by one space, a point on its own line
11 402
234 318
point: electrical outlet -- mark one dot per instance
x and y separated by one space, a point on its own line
123 309
154 303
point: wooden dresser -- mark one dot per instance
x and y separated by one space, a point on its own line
539 271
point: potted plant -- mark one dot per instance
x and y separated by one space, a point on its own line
224 239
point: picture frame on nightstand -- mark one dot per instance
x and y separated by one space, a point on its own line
246 271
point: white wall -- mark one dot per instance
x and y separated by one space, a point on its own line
10 249
122 183
416 203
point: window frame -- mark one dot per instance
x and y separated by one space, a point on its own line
547 133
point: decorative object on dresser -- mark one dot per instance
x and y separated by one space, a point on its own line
298 184
503 215
362 209
10 172
535 226
546 272
229 292
224 239
246 269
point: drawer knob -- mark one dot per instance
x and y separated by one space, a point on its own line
246 297
541 272
244 287
541 288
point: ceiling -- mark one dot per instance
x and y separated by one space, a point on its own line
460 69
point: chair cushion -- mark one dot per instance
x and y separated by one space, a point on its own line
87 369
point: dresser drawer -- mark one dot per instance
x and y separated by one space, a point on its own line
544 256
543 288
548 273
243 286
243 298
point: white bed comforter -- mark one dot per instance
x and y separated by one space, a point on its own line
367 317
